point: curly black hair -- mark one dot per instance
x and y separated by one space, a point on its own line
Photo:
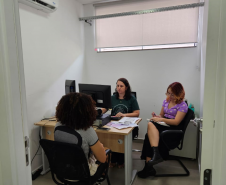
76 110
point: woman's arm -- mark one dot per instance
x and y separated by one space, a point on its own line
135 113
162 112
99 152
179 117
103 110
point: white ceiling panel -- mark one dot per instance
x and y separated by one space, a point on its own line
97 1
89 1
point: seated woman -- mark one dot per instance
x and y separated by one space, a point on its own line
123 105
77 111
172 113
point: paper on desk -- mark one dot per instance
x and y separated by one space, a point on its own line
118 125
112 123
128 120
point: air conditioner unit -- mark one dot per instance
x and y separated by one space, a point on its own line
47 6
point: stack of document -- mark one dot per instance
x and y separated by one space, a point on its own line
128 120
125 122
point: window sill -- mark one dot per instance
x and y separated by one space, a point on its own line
152 47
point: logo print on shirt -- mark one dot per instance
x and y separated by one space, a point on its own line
119 108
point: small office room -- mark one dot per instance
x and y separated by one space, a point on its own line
40 50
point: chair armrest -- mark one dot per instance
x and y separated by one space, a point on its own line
107 151
106 164
172 138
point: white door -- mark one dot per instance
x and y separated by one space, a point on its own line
214 106
14 168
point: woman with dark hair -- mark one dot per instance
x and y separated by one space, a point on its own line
172 113
77 111
124 104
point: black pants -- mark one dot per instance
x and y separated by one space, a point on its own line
147 150
117 158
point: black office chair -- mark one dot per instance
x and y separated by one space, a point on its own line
68 162
171 139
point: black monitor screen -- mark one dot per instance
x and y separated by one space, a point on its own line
70 86
101 94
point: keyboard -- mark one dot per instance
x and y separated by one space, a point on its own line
115 118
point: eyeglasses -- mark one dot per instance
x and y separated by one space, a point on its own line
170 94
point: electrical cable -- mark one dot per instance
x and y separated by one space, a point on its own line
35 153
38 172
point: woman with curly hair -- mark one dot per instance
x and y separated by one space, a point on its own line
172 113
77 111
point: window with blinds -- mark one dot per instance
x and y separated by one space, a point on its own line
167 29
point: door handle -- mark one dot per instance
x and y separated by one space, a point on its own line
26 143
196 121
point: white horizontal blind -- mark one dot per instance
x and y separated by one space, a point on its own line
170 27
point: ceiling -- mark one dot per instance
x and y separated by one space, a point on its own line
89 1
95 1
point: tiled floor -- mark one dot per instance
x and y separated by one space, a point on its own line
117 175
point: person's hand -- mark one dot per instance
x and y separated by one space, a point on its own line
119 114
156 119
154 115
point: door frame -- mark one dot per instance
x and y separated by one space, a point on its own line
214 104
13 169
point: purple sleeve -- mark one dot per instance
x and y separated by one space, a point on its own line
183 107
164 102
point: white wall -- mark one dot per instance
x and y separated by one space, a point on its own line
53 51
149 72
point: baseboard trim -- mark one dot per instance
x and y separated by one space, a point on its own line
36 169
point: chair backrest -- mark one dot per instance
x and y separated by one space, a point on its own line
174 138
66 134
133 93
184 123
66 160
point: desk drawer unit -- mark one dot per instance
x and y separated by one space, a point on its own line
112 141
48 133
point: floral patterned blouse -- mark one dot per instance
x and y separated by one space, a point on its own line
171 113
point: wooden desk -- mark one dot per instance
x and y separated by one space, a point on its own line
117 140
114 138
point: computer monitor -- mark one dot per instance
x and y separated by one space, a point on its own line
101 94
70 86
